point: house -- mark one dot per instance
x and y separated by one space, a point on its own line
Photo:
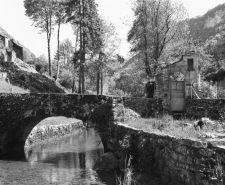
178 81
9 49
18 50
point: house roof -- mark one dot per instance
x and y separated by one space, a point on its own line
189 53
6 35
219 75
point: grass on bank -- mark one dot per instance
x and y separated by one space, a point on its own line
183 128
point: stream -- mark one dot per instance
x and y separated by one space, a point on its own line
65 162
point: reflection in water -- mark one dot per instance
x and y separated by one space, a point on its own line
69 161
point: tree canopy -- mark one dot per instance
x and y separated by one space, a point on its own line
156 24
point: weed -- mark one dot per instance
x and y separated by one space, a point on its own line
127 174
219 169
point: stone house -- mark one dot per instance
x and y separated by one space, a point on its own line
178 81
9 49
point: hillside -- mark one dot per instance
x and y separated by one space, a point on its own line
203 27
23 77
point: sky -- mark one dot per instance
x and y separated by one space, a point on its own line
118 12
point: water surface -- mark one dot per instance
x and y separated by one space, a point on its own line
65 162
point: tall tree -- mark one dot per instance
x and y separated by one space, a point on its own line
41 12
65 51
83 14
156 24
60 18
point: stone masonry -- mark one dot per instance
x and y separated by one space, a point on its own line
176 161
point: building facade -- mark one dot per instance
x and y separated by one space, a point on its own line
178 81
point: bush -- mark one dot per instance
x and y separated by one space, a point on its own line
66 79
22 77
38 67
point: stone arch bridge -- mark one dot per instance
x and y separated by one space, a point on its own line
20 113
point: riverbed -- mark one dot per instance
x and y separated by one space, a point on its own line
65 162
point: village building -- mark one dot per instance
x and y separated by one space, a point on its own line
177 82
9 49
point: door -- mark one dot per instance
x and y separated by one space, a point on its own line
177 96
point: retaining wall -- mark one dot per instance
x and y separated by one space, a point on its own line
176 161
212 108
42 134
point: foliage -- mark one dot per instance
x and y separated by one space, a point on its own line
216 76
105 58
127 178
41 12
83 15
156 24
130 81
41 64
66 78
28 55
101 117
166 125
60 19
65 51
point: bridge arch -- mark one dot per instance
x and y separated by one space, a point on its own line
20 113
14 139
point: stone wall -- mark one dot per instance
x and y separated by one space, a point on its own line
20 113
176 161
48 133
145 107
212 108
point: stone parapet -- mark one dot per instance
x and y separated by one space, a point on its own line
176 161
211 108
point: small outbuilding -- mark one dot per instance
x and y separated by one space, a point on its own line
178 81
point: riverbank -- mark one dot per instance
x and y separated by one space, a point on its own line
52 129
173 160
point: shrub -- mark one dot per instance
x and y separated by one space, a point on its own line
66 79
38 67
22 77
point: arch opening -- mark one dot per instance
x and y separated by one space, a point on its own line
18 139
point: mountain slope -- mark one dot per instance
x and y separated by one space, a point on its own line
209 24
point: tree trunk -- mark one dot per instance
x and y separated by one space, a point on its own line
74 84
146 60
49 59
57 73
79 88
74 65
98 80
101 83
83 50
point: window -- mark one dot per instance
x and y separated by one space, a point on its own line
190 64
